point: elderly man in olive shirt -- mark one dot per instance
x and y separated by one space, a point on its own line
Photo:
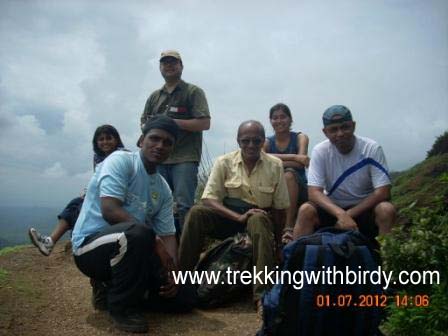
186 104
246 190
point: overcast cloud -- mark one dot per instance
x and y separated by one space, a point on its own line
68 66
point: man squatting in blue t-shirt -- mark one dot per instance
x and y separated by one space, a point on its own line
125 233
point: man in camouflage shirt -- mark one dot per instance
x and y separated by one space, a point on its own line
186 104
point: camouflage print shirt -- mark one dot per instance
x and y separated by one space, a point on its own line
187 101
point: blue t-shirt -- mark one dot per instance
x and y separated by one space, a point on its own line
147 197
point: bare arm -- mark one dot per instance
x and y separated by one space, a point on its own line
230 214
298 160
290 157
289 160
220 209
303 142
293 160
302 157
379 195
317 196
171 246
194 125
113 211
163 248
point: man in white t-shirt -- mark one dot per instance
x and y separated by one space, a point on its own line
348 181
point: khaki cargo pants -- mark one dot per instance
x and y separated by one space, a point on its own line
202 222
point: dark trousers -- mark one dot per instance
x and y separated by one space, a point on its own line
123 256
71 211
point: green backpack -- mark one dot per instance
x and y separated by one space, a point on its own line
234 253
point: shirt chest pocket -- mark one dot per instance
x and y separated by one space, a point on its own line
233 188
264 196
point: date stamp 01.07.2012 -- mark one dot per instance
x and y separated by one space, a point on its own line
370 300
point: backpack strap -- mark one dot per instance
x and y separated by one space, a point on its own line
158 101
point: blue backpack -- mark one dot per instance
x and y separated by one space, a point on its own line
324 309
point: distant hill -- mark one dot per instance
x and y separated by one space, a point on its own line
424 184
4 243
15 221
28 290
420 184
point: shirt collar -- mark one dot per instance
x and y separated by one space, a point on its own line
179 86
239 158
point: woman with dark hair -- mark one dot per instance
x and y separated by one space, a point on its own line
105 141
292 148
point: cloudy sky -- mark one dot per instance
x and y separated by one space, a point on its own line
68 66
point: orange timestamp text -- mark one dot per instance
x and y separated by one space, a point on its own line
370 300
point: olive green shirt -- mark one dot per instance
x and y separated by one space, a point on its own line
264 187
187 101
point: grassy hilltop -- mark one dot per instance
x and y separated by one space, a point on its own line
423 185
35 290
420 243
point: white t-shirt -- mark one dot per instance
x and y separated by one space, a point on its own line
348 179
147 197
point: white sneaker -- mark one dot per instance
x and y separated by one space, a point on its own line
43 243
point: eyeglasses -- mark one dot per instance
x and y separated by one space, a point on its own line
169 61
247 141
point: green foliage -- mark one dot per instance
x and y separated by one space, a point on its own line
440 146
421 246
424 184
422 321
11 249
3 276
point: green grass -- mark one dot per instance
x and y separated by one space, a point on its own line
424 184
21 284
3 276
25 288
421 195
11 249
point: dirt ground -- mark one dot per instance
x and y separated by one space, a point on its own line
49 296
